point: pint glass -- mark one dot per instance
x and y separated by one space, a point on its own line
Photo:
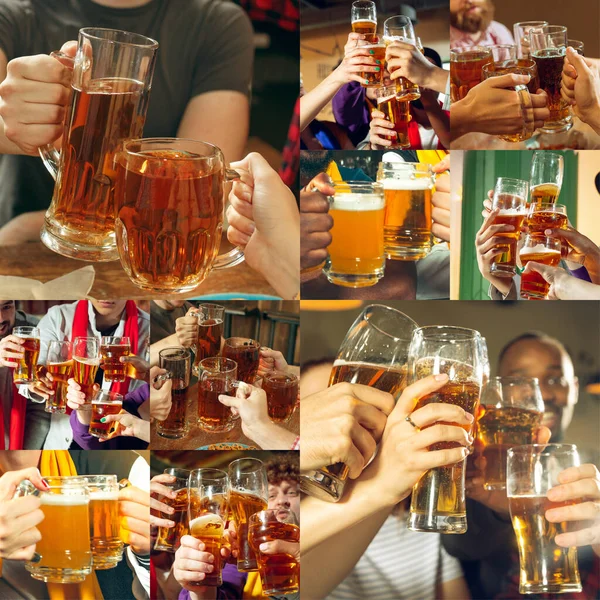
511 410
542 216
356 260
246 353
59 364
532 470
407 188
282 395
105 403
543 250
374 353
438 498
364 19
169 198
65 552
466 66
400 29
279 573
397 112
177 362
86 360
111 350
373 78
25 371
210 332
112 77
510 198
545 180
248 493
217 375
521 31
168 538
208 512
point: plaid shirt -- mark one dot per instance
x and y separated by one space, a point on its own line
285 13
291 152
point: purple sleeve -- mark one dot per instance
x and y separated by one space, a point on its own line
82 437
133 400
232 588
351 111
581 273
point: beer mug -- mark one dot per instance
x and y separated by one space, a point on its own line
105 403
64 550
356 260
210 332
282 395
466 69
438 498
279 573
208 513
374 353
364 18
546 176
168 539
59 363
540 249
248 494
111 350
503 54
86 360
407 188
112 77
169 198
400 29
25 371
532 470
397 112
521 31
246 353
510 413
177 362
577 45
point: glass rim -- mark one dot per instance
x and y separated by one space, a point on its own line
539 237
222 475
213 364
211 305
415 166
60 342
513 378
511 181
184 474
364 2
96 34
258 464
108 477
368 316
546 204
216 152
465 332
174 352
87 339
471 49
254 344
553 448
23 329
256 517
115 337
55 482
530 23
293 378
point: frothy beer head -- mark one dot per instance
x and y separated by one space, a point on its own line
49 499
207 525
396 183
538 249
358 202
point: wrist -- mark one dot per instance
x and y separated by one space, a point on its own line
84 416
459 118
436 80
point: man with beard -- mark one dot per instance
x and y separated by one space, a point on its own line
472 24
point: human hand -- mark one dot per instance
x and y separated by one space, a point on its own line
158 487
440 201
192 563
281 547
270 360
186 328
357 60
137 367
128 425
11 351
563 286
406 60
134 510
379 129
160 398
42 386
581 250
76 400
250 403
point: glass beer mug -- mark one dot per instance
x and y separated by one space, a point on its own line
169 199
112 76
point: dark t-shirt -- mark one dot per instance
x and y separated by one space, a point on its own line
163 321
205 45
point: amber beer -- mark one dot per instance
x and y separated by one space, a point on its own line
533 285
25 371
366 28
210 332
466 69
373 78
177 362
111 351
104 404
396 112
61 373
546 216
84 373
545 193
209 529
168 538
246 353
282 395
550 63
243 506
218 375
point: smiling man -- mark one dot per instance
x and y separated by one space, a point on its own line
472 24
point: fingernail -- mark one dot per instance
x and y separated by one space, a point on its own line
366 81
371 51
103 420
171 523
171 510
377 68
264 547
45 484
211 559
470 439
441 377
470 417
377 62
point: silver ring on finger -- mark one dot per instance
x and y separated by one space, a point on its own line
409 420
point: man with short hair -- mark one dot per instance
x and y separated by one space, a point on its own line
472 24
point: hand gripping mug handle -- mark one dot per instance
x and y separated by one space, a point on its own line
526 110
48 153
245 389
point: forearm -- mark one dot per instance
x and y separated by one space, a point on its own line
271 436
437 80
23 228
440 121
575 289
312 102
144 410
155 348
459 117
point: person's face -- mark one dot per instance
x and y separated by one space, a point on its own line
8 313
313 163
471 16
285 495
109 309
554 370
169 304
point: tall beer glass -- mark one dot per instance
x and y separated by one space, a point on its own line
532 470
208 511
521 31
407 188
548 49
545 179
107 547
112 77
86 360
510 198
364 19
373 78
397 112
374 353
279 573
218 375
112 348
105 403
210 332
543 250
466 66
356 260
282 395
248 494
400 29
438 498
246 353
177 362
168 538
511 410
65 552
59 364
26 369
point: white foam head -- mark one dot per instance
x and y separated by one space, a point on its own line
410 184
513 212
104 495
358 202
207 520
88 361
63 499
538 249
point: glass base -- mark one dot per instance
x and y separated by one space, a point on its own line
557 126
247 565
77 251
437 523
56 409
211 429
161 548
549 588
281 591
353 280
26 382
502 270
106 564
172 434
54 575
408 254
323 486
494 485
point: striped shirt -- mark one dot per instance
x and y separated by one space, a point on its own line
399 564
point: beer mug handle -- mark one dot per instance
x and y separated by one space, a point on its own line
242 385
526 110
48 153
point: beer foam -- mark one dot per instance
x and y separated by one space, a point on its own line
63 499
88 361
358 202
104 495
206 520
410 184
538 249
511 212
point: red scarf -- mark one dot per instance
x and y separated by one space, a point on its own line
414 136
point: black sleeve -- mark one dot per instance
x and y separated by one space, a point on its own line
16 18
104 462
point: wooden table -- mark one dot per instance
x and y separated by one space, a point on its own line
198 437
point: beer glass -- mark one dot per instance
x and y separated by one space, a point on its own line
407 188
282 395
169 198
503 54
484 360
521 31
438 498
177 362
373 78
374 353
246 353
111 350
168 538
511 411
545 179
86 360
248 494
546 215
397 112
112 77
105 403
279 573
364 19
543 250
510 197
577 45
532 470
217 375
25 371
356 260
548 49
64 550
107 547
59 363
400 29
210 332
208 511
466 66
